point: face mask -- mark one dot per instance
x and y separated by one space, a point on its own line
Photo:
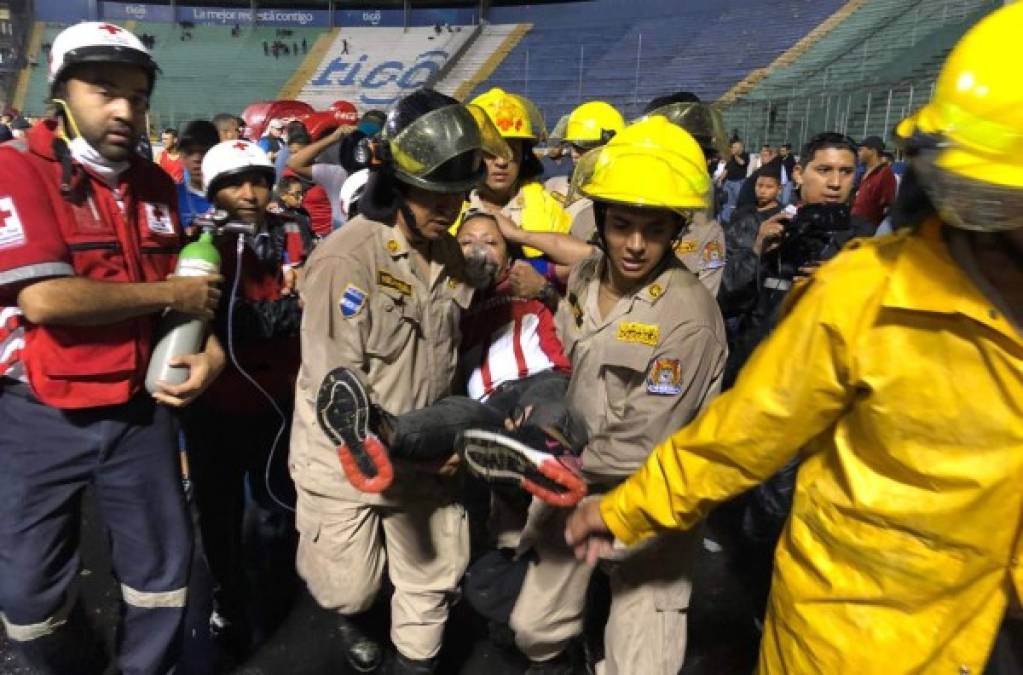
480 270
91 158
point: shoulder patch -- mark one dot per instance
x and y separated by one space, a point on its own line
12 232
685 246
665 377
642 333
713 255
158 219
352 300
390 281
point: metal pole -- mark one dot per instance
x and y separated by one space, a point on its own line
788 120
639 55
866 117
887 112
526 87
767 122
745 128
579 91
848 114
806 124
827 113
909 106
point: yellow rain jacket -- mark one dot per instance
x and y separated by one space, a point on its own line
533 209
903 386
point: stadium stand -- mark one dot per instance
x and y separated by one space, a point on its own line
876 66
626 53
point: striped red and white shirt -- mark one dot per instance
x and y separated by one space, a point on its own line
511 339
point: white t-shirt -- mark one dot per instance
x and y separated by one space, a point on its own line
331 177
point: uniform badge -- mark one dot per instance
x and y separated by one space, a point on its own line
390 281
665 378
642 333
392 246
685 247
453 283
577 312
158 218
12 232
352 300
655 291
713 256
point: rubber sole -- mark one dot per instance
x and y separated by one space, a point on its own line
498 458
343 411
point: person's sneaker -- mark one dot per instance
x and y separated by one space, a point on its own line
344 412
535 460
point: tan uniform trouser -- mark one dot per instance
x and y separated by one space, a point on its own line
344 545
650 588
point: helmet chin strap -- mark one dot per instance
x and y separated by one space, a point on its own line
410 220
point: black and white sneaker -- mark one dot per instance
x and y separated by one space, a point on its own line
343 410
551 474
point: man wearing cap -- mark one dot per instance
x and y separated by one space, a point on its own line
383 297
233 428
876 192
89 236
271 142
196 138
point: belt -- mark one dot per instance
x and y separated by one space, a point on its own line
776 284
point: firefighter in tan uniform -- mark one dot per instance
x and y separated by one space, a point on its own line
383 296
647 347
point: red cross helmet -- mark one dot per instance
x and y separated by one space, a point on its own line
98 42
231 158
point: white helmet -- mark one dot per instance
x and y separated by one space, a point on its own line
98 42
352 189
231 158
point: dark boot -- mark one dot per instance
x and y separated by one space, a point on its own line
402 665
559 665
361 651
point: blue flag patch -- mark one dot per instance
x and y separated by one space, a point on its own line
352 300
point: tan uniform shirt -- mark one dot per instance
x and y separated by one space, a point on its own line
702 250
580 210
366 309
644 370
513 209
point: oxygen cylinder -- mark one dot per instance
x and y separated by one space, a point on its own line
182 334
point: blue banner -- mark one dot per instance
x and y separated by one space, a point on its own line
226 16
128 11
62 11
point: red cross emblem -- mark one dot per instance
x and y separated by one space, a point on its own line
113 30
241 146
157 212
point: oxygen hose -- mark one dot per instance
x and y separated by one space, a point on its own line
234 360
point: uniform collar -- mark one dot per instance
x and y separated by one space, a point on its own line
397 246
394 241
926 278
648 294
514 205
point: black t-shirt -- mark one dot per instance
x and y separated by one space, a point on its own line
734 170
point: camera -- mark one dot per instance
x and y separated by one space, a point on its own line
814 234
219 222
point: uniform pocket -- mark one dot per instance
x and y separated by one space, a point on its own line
395 322
624 367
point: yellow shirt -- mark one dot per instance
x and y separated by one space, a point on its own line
532 208
903 386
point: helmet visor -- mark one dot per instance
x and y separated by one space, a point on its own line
558 135
964 202
641 176
703 123
433 140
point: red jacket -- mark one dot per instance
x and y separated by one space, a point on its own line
44 233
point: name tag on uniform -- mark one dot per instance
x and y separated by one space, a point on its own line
665 378
158 218
12 232
352 300
390 281
685 246
642 333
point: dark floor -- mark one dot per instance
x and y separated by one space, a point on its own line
721 641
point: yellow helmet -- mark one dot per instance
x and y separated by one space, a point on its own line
513 115
652 163
970 134
592 124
